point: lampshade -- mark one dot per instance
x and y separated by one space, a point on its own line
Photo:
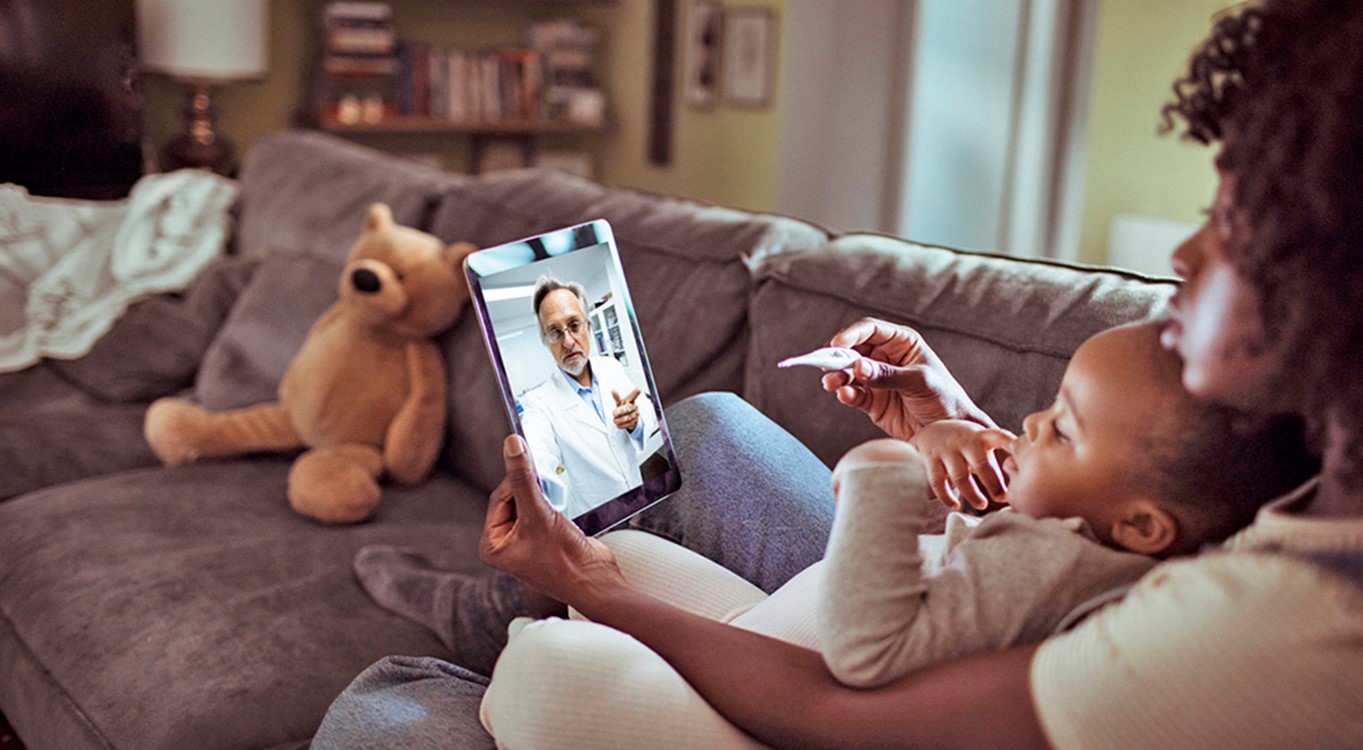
211 40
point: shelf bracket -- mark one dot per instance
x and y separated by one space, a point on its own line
664 54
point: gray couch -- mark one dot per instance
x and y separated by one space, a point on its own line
144 607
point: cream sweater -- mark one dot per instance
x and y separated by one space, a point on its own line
1253 647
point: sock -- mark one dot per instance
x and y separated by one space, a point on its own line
468 612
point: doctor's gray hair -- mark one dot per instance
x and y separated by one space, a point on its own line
546 284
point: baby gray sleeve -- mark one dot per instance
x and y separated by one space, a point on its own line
873 583
1008 582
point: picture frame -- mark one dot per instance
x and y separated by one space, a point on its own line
747 58
701 56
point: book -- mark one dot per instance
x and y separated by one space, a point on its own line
358 66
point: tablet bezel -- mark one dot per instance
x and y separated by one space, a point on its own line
526 251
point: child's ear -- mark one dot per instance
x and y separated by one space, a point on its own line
1143 527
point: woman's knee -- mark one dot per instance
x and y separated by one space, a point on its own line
557 676
704 412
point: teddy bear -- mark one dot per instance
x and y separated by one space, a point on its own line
364 395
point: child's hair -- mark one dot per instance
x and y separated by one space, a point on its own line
1216 467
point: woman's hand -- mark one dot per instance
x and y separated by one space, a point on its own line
524 536
899 382
960 461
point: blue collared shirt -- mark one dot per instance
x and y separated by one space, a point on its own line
592 396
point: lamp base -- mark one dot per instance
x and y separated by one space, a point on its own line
199 146
183 152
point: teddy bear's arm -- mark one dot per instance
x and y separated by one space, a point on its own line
415 436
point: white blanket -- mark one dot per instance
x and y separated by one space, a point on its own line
68 268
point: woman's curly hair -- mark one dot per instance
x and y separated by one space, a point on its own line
1279 84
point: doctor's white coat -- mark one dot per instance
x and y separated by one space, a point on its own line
581 461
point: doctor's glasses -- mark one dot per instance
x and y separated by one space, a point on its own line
576 328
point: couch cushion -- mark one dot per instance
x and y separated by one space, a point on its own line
306 191
193 608
53 432
684 262
304 197
155 348
1006 327
265 329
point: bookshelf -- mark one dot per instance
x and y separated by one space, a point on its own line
518 137
370 83
443 126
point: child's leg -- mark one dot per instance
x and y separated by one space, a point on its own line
791 613
753 498
570 684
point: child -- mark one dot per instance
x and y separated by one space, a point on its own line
1123 469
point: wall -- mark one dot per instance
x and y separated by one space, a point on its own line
732 156
726 155
961 117
1139 49
842 111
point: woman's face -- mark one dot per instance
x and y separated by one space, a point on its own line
1215 324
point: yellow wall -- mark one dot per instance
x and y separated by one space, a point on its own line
730 155
1140 47
725 155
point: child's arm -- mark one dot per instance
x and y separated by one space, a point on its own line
960 462
873 582
1009 582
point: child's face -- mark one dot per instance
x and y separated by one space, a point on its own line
1078 457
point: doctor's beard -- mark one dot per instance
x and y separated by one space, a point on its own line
575 371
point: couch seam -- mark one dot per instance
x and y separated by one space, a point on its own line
638 243
919 319
26 652
1044 262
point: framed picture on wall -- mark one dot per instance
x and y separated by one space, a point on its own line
701 57
748 56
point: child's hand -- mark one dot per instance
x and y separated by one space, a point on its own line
960 461
881 451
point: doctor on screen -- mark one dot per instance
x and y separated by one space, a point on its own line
587 422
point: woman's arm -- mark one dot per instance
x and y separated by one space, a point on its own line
784 696
781 694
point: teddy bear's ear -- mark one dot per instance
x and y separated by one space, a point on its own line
379 217
455 254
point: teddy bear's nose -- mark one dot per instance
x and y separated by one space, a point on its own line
365 280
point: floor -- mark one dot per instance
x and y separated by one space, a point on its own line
7 739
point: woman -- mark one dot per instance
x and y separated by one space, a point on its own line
1257 645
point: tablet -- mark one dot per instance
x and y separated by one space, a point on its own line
560 328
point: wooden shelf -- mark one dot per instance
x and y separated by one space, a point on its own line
438 125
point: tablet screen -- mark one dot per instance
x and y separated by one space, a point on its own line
560 328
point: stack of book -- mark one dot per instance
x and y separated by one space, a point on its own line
464 86
570 88
359 74
366 76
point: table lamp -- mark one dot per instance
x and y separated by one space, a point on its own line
204 44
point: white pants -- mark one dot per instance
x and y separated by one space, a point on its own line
577 684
